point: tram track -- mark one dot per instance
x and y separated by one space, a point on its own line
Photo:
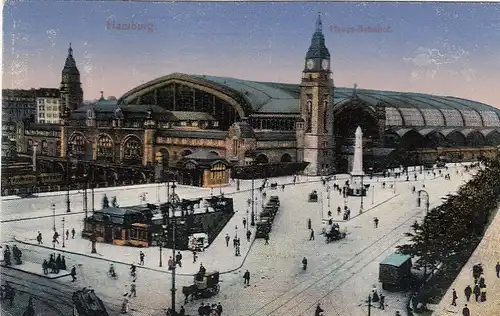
322 276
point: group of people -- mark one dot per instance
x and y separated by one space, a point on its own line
132 290
54 264
178 260
16 253
479 289
209 310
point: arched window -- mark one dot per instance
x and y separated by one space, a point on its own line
286 158
105 147
132 149
309 116
45 147
261 159
77 143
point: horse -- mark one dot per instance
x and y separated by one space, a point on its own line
189 291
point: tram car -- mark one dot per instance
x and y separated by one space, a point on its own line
86 303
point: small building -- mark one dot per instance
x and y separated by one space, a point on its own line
120 225
204 169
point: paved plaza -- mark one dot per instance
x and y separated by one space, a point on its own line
340 274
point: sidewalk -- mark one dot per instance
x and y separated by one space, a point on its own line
36 269
487 253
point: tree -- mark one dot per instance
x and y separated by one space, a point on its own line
105 201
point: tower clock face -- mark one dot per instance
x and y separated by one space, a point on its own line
310 64
325 64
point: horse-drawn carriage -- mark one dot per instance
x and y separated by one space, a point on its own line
313 196
205 285
334 232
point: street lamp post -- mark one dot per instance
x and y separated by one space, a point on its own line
54 216
362 188
253 202
92 184
64 244
85 199
67 178
373 193
173 249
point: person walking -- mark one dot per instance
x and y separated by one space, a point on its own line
73 273
132 289
219 309
483 293
67 234
465 311
244 223
311 234
468 292
246 278
227 240
73 232
309 224
249 234
178 259
477 292
141 258
454 298
382 302
266 239
39 238
497 268
375 221
195 256
124 306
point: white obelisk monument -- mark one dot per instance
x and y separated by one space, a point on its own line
357 164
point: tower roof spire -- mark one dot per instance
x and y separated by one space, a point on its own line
319 24
70 50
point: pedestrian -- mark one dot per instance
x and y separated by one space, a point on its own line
309 223
454 298
382 302
237 251
249 234
477 292
67 234
178 258
266 238
132 289
73 232
497 267
311 235
235 241
468 292
227 240
483 293
39 238
375 220
201 310
246 277
465 311
170 263
318 311
125 306
339 210
244 223
182 311
195 256
73 273
63 263
141 258
219 309
45 267
54 238
29 311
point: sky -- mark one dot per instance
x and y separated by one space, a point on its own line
438 48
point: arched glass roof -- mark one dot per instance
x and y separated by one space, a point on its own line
403 109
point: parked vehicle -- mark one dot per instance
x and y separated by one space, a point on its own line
313 196
395 271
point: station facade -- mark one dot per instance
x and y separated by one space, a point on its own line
309 125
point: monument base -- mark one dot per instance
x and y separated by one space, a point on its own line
356 192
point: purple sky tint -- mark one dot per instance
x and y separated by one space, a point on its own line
438 48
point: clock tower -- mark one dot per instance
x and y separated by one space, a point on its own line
315 140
